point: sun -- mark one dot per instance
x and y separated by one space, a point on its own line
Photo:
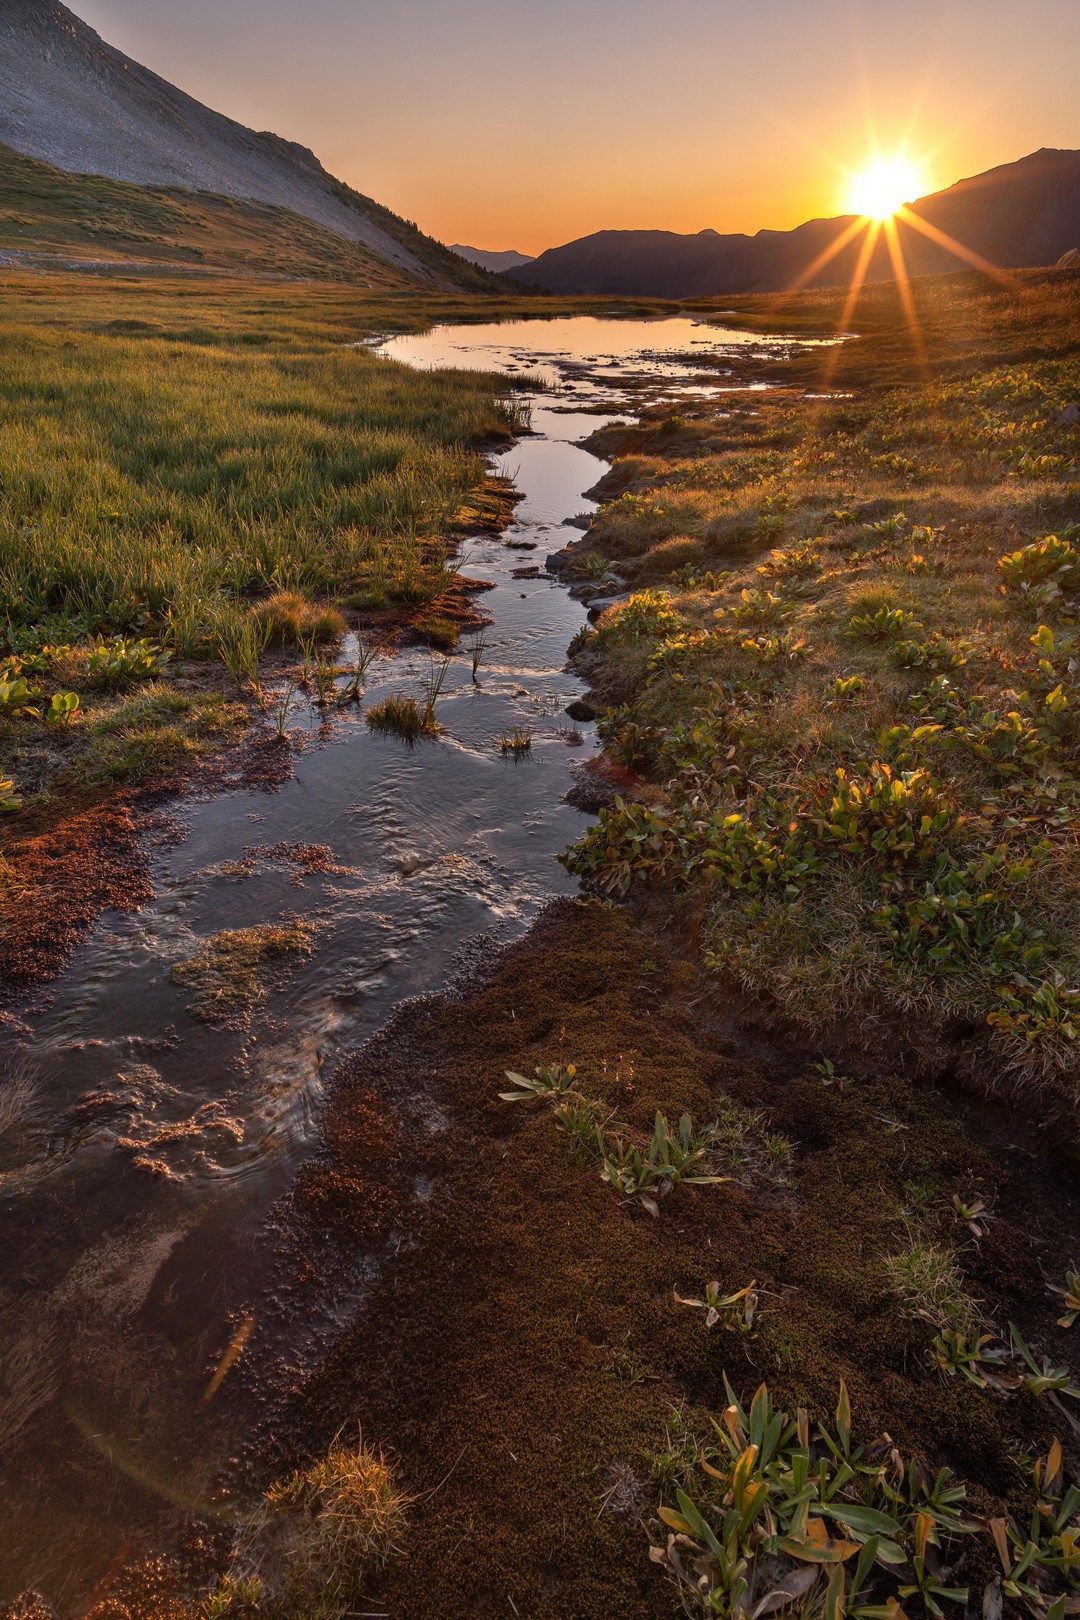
879 190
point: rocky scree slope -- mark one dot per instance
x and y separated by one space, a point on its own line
71 100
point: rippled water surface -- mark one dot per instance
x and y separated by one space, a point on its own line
147 1144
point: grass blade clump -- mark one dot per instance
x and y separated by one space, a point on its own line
402 716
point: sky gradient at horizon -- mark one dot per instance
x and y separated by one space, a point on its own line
527 123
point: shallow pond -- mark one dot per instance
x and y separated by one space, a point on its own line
149 1144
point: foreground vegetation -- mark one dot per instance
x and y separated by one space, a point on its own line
848 668
677 1299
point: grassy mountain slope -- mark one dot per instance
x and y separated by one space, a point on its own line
49 214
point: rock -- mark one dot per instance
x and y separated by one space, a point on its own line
1069 260
1069 415
602 603
581 709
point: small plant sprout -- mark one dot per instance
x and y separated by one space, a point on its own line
974 1216
666 1163
306 644
516 742
365 657
735 1311
588 565
325 677
281 711
432 688
955 1352
826 1069
577 1117
845 687
9 798
553 1082
1044 1379
63 708
1071 1295
477 649
891 527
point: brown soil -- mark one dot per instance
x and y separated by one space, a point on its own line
507 1323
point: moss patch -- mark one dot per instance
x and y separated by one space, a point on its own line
526 1339
234 972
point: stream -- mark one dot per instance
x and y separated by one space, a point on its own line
141 1147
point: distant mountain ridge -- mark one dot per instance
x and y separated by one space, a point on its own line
509 259
70 100
1023 213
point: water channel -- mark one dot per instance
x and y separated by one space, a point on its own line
143 1146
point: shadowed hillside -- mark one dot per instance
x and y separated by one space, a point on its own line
49 219
1021 214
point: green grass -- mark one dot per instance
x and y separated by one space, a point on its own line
223 460
402 716
164 481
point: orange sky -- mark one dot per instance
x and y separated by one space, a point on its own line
526 123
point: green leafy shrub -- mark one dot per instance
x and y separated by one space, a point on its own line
935 653
965 911
645 614
1041 1016
882 624
1045 573
760 607
895 814
16 697
774 1513
122 662
792 562
772 649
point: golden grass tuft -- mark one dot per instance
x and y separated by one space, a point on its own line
402 716
292 619
319 1535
